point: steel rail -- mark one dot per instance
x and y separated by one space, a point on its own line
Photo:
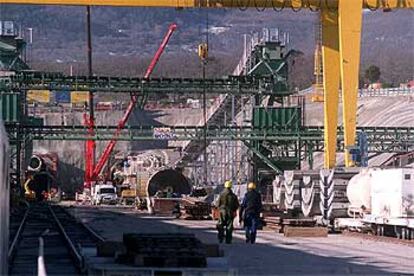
12 247
91 231
75 254
41 267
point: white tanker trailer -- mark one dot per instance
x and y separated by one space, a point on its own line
382 200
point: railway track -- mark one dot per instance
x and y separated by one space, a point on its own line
16 223
49 239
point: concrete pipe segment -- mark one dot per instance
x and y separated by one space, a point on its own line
162 179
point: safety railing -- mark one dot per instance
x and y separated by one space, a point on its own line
386 92
382 92
41 268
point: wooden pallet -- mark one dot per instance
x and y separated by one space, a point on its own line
163 250
165 206
163 260
195 209
299 222
272 223
305 232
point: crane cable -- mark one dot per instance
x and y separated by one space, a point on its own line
205 103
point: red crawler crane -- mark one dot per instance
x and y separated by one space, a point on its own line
92 172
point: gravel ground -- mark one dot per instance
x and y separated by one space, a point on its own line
273 254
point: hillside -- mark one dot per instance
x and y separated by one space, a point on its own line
124 38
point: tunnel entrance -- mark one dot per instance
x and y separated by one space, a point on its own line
169 179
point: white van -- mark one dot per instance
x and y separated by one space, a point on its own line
104 194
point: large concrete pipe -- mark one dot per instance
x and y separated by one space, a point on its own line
43 172
35 163
164 179
44 162
168 179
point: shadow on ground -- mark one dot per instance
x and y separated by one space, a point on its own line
267 257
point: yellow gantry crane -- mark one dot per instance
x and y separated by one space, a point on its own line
341 22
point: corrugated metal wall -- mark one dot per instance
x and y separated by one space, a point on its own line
277 117
10 108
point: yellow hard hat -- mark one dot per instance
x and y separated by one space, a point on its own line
251 186
228 184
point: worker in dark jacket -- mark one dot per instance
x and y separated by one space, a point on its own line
250 210
228 205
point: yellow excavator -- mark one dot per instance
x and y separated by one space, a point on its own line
29 195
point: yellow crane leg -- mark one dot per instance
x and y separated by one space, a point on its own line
330 59
350 24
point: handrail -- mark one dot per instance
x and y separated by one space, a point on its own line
41 268
386 92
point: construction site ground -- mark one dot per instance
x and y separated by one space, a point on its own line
273 253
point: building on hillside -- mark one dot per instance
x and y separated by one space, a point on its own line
374 86
408 84
12 49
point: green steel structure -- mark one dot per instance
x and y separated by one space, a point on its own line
23 128
270 57
12 48
276 136
239 85
12 112
381 139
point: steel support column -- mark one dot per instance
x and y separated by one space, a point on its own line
350 25
330 56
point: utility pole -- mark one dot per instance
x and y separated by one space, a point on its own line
204 61
89 122
30 56
205 123
203 54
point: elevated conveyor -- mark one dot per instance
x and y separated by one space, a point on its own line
380 139
264 56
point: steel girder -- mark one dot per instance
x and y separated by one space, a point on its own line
344 32
239 85
380 139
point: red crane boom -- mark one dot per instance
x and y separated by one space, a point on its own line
109 148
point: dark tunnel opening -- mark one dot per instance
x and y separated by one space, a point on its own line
169 179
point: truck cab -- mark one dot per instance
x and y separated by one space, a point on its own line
104 194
